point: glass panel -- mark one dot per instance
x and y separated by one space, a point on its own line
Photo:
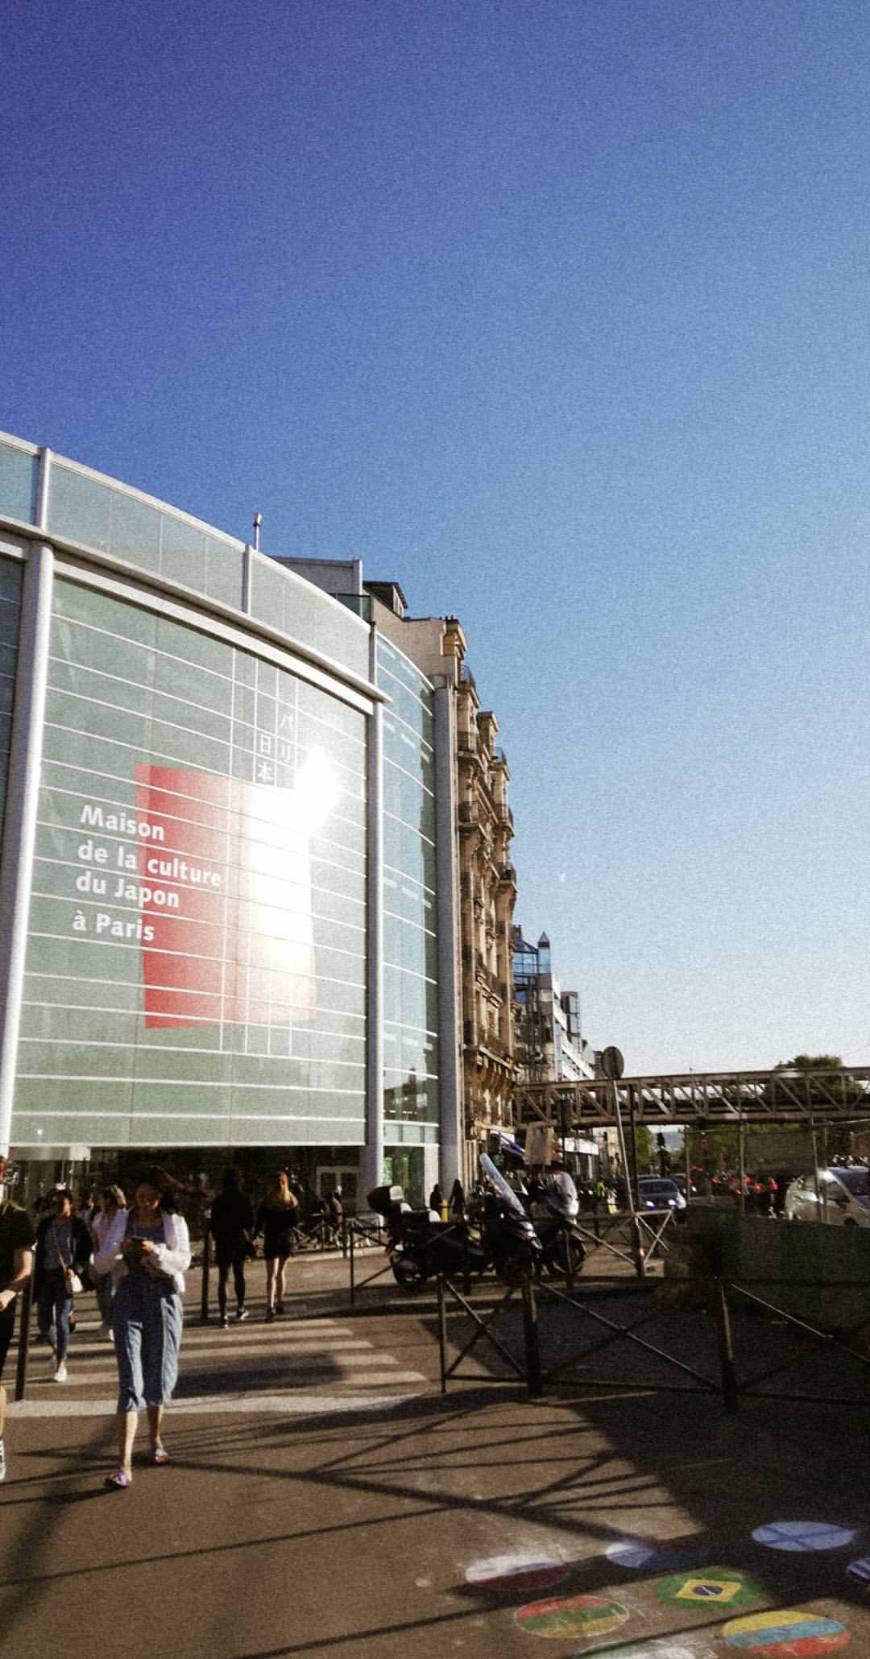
79 507
18 475
134 531
286 601
182 557
223 581
145 534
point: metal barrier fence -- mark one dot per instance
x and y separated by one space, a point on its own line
23 1338
353 1233
527 1361
640 1236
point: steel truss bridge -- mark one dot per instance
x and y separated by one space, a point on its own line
718 1099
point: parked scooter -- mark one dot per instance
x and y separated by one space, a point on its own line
420 1246
554 1209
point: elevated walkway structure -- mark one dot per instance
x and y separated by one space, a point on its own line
700 1098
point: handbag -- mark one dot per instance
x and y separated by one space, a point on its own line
73 1283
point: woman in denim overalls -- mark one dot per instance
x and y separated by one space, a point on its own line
147 1317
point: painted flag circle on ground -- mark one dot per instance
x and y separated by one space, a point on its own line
710 1586
661 1648
635 1553
515 1572
859 1570
803 1536
566 1616
791 1634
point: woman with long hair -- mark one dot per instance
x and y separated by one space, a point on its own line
231 1225
276 1219
63 1246
107 1232
147 1315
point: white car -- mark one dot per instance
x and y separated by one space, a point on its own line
842 1200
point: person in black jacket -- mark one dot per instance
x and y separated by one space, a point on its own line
231 1225
63 1246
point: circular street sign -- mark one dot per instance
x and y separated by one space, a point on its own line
612 1064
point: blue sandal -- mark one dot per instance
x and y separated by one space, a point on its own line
118 1480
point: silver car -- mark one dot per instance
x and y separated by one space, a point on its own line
842 1200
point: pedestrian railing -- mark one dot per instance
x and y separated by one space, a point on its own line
523 1368
525 1350
841 1341
635 1239
26 1305
357 1235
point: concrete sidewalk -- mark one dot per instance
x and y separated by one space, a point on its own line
334 1525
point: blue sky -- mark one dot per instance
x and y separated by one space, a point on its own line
557 314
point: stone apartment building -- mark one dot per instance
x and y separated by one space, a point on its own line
484 880
476 882
488 894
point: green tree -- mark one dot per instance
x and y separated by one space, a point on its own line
839 1135
715 1150
645 1152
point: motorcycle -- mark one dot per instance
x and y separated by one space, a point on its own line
554 1209
420 1246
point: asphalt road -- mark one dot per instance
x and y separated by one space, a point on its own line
324 1499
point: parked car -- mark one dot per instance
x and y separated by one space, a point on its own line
657 1192
842 1200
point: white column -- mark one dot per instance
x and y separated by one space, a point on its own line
22 798
446 910
372 1159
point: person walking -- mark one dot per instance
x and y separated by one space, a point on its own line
457 1201
16 1262
276 1218
231 1225
63 1248
107 1236
147 1315
335 1214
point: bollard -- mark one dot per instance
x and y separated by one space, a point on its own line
23 1339
533 1347
206 1263
637 1248
352 1257
442 1332
730 1386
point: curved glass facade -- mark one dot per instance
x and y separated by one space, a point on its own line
196 951
199 948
